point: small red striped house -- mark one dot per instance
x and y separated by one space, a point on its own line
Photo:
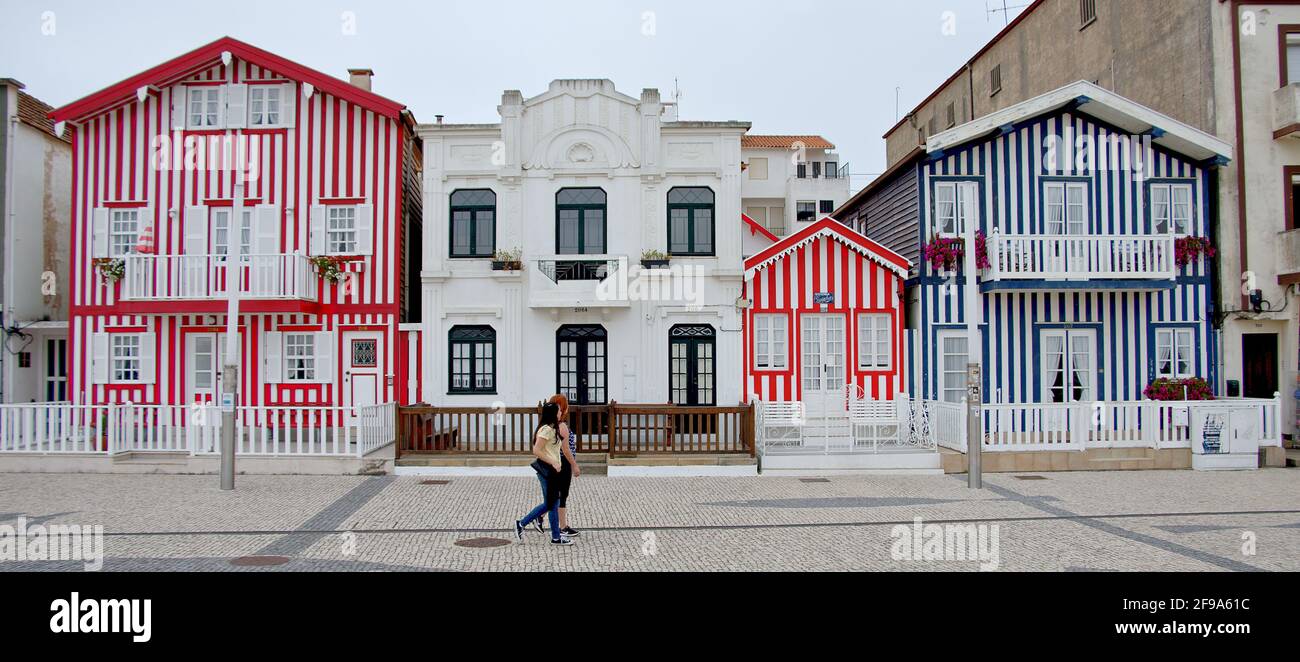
826 311
330 208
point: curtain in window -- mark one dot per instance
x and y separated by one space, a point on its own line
1054 366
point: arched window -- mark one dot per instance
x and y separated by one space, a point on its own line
473 223
691 365
580 221
472 364
690 221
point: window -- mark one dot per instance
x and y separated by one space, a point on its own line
56 370
221 232
875 345
757 168
341 230
801 170
952 365
955 205
691 366
472 361
771 334
1171 208
126 357
690 221
932 127
1291 178
806 211
1087 13
1066 207
580 221
300 357
205 107
1289 41
816 169
832 170
995 80
1068 365
952 115
1174 358
264 105
124 231
827 206
473 223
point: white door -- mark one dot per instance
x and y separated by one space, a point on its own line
822 364
362 378
1069 365
203 368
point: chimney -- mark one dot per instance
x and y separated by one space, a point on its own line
361 78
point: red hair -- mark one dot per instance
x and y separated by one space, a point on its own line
563 402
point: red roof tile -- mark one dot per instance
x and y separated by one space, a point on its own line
784 142
34 112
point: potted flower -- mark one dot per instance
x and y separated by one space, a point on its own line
947 253
1165 389
111 269
654 259
511 260
1188 249
330 267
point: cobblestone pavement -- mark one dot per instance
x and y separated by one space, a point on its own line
1120 521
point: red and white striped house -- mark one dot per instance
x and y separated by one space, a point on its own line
332 172
826 312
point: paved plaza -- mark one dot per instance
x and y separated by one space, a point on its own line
1119 521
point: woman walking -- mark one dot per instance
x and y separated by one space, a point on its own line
548 465
569 461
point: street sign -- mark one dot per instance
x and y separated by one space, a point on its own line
825 298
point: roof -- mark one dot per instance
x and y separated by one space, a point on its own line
1098 103
202 57
784 142
884 178
34 113
833 229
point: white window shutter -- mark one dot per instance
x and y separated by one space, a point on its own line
221 107
148 358
99 359
99 232
266 230
288 101
970 212
273 358
325 357
196 231
316 241
365 229
236 106
180 107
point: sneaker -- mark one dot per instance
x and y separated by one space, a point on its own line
537 524
570 532
519 531
562 541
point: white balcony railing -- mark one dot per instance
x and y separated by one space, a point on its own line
188 277
1081 257
578 281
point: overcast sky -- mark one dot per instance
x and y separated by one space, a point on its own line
817 66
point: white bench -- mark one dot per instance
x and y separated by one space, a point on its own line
786 417
874 414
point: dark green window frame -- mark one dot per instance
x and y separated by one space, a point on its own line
475 339
692 209
583 210
474 211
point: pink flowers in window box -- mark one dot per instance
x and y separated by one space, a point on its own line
946 253
1188 249
1170 390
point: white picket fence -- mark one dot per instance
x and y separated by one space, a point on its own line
1079 426
196 429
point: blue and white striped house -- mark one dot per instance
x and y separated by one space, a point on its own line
1082 197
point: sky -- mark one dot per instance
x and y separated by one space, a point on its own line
828 67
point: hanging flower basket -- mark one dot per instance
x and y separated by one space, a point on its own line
111 269
946 253
330 267
1177 390
1188 249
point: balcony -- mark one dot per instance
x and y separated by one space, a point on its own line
1286 112
283 276
587 281
1287 248
1026 257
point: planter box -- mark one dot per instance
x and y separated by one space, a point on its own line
498 265
654 264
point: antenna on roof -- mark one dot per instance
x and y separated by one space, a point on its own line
1005 11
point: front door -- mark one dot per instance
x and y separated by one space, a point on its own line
203 354
822 364
691 365
1259 367
362 378
581 371
56 369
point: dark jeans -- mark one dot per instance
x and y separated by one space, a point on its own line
550 481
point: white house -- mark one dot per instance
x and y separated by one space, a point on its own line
582 180
791 182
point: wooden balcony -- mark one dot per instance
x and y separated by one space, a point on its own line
1080 257
283 276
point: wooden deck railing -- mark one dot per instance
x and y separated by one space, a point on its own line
614 428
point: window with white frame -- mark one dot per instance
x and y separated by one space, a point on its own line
952 365
875 348
771 349
123 232
125 350
1066 207
204 107
956 203
341 230
1069 365
1171 208
1174 353
221 232
300 357
264 105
